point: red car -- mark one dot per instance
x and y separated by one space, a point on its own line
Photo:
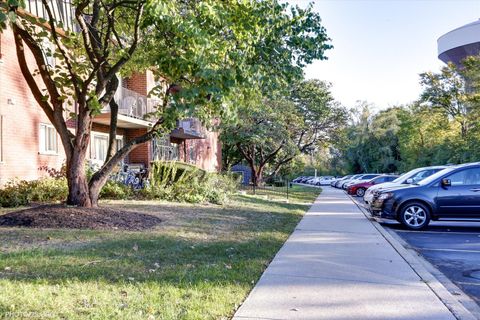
358 189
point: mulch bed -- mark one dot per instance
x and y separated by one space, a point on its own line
61 216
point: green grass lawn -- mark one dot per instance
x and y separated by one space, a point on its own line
200 263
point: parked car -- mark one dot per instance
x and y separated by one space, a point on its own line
342 182
362 178
310 180
412 176
452 193
334 183
297 180
358 189
325 181
314 180
305 179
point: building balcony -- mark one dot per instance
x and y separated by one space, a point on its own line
62 11
134 110
190 128
166 153
137 111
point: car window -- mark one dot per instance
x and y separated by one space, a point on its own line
369 176
465 177
379 179
422 175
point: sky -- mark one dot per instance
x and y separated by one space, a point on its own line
381 46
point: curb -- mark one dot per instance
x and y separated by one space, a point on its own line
430 275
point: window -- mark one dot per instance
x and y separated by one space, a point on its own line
119 143
422 175
48 139
99 147
465 177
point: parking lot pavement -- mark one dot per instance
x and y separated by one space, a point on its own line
453 247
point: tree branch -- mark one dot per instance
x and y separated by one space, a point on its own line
51 22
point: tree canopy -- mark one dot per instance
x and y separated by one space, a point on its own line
271 131
441 127
206 55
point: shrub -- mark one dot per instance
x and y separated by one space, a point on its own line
115 190
186 183
165 173
168 181
49 189
14 194
20 192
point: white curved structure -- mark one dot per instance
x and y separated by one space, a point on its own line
459 43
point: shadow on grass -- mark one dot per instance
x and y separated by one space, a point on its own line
207 243
146 258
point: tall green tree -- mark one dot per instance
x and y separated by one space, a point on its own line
320 117
201 52
271 132
454 92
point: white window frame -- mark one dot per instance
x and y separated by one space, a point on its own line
44 141
101 135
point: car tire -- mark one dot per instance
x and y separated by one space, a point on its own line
415 215
360 192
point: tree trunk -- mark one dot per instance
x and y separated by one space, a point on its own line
78 191
95 188
257 176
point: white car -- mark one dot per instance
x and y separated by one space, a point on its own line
325 181
412 176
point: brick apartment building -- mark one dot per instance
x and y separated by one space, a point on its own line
29 144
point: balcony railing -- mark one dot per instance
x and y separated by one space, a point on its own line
62 11
134 105
191 126
164 150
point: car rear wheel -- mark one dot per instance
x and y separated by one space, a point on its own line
415 216
360 192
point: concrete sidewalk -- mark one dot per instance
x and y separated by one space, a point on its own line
336 265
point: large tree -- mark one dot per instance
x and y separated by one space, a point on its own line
260 133
272 131
199 51
454 92
321 117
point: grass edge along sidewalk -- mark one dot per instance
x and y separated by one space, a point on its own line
201 263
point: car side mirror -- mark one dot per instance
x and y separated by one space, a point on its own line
409 181
446 182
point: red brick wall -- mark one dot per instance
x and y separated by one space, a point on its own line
137 82
142 154
21 119
208 152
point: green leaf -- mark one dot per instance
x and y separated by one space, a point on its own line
3 17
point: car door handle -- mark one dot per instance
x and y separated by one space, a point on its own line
475 189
